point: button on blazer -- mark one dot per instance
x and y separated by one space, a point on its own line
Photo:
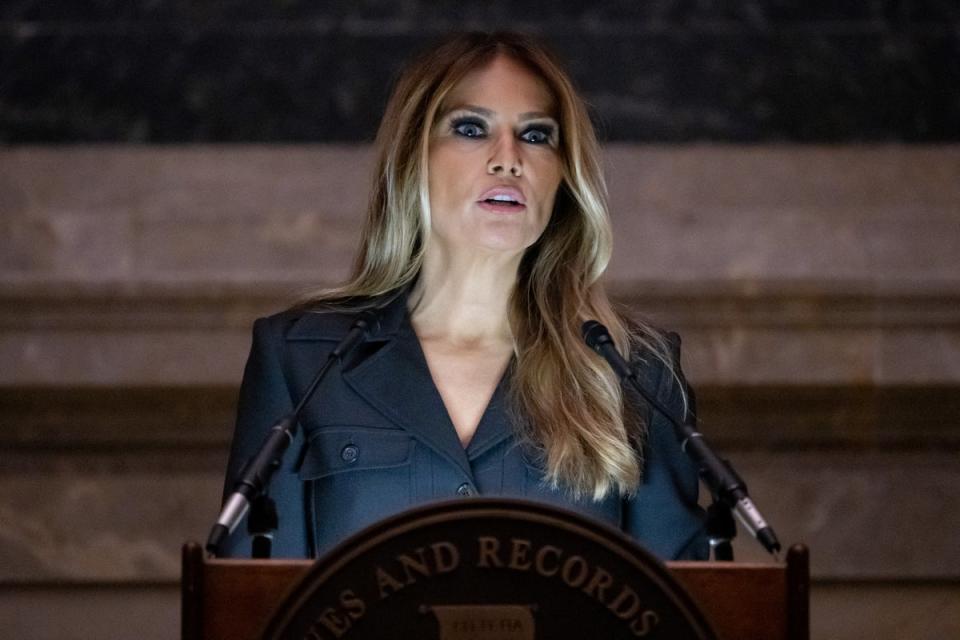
376 439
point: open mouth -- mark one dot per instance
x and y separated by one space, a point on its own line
502 201
501 206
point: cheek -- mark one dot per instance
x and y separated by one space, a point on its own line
442 178
437 192
551 188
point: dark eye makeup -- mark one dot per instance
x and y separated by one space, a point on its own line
470 126
538 134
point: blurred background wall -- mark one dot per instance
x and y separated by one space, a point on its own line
785 179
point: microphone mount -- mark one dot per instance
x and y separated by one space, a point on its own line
256 473
718 474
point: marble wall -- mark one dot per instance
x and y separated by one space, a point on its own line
817 290
657 70
811 265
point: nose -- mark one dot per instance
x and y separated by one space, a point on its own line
505 158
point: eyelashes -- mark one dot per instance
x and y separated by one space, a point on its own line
539 133
469 127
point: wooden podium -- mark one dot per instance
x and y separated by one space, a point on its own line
237 599
233 599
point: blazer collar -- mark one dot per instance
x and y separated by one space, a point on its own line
321 324
394 378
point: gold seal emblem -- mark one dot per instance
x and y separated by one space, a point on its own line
484 621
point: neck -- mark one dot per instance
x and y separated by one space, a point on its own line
464 299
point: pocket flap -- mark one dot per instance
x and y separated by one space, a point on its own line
340 449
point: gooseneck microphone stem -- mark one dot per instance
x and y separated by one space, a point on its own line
716 472
256 473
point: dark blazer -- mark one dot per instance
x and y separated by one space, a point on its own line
376 440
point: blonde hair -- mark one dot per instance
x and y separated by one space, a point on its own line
567 401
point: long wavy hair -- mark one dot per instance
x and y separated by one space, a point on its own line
567 402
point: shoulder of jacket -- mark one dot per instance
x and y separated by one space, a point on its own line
333 322
307 324
656 365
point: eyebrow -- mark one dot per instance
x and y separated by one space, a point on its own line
488 113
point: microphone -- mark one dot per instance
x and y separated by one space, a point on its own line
256 473
717 473
262 521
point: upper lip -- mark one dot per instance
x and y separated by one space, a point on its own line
511 192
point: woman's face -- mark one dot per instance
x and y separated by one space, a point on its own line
494 164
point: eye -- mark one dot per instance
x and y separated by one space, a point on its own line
469 128
537 135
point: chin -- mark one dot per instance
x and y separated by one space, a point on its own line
506 243
508 236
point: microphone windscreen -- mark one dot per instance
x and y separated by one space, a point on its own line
595 334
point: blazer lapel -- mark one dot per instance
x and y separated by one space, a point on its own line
389 371
396 380
495 424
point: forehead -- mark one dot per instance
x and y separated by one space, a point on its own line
503 84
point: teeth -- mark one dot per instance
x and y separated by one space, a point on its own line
502 199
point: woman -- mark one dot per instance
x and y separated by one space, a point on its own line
486 235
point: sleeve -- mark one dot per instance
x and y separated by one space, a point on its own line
664 514
264 399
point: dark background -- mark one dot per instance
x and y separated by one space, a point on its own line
174 71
